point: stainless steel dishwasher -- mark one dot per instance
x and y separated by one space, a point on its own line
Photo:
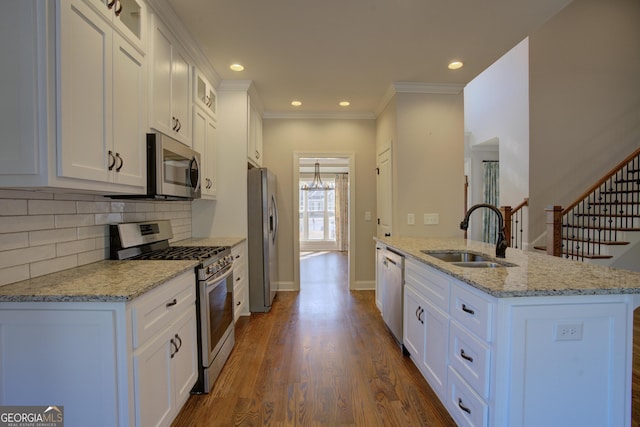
392 292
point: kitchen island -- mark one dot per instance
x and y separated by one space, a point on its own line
546 341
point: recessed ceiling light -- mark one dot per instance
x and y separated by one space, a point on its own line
296 103
344 103
236 67
455 65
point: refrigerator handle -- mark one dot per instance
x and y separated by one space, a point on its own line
274 226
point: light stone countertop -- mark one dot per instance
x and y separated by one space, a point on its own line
210 241
103 281
535 274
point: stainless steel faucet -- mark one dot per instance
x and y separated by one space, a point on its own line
501 244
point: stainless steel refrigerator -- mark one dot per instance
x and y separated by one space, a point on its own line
263 232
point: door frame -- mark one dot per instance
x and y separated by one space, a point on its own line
351 157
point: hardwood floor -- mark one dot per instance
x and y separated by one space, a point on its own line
321 357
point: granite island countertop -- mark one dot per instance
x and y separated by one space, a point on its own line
103 281
535 274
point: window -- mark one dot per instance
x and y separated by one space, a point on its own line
318 215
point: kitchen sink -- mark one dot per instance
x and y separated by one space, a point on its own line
467 259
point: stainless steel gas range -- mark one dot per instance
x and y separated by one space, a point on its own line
149 240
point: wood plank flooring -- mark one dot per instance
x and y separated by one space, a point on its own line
321 357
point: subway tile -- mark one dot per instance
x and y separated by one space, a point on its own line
14 241
153 216
92 231
145 207
134 216
109 218
94 207
10 224
13 207
101 242
74 197
91 256
56 235
26 255
77 246
14 274
117 206
80 220
21 194
51 266
42 207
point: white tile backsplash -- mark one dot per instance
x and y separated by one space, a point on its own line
41 232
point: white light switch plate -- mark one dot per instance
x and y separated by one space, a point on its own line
411 219
431 219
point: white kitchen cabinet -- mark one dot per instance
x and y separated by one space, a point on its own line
126 16
380 249
165 370
427 325
205 142
240 281
170 100
50 349
204 94
254 138
87 124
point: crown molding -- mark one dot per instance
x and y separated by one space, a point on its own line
416 87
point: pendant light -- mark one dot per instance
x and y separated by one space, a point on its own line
317 184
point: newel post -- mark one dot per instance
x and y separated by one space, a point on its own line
554 230
506 213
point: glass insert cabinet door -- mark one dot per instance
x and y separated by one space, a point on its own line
317 214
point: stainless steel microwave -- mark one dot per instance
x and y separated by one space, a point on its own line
173 169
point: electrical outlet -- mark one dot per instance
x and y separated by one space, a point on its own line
411 219
431 219
568 331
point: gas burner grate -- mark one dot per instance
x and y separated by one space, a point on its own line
182 253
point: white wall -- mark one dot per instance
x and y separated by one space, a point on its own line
496 105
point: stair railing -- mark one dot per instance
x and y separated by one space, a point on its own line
595 218
513 223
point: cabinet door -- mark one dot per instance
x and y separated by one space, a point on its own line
185 361
436 347
85 101
129 121
211 159
379 275
383 191
180 100
413 338
153 394
161 78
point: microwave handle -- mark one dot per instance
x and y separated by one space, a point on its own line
195 160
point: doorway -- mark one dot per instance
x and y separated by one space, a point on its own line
323 228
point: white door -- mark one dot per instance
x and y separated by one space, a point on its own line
384 198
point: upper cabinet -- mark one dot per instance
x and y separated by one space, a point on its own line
170 85
102 98
204 94
205 142
75 96
254 139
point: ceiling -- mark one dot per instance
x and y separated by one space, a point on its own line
324 51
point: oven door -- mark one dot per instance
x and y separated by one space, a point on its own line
216 313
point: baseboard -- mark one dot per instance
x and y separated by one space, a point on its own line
287 287
365 285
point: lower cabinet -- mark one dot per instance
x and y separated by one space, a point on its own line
107 363
165 370
525 361
240 281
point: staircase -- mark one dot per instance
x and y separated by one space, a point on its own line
604 222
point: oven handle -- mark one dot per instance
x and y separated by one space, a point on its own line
219 279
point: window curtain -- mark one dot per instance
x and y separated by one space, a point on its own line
491 193
342 211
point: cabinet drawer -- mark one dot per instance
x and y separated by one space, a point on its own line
431 283
473 311
470 358
154 311
239 301
465 406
